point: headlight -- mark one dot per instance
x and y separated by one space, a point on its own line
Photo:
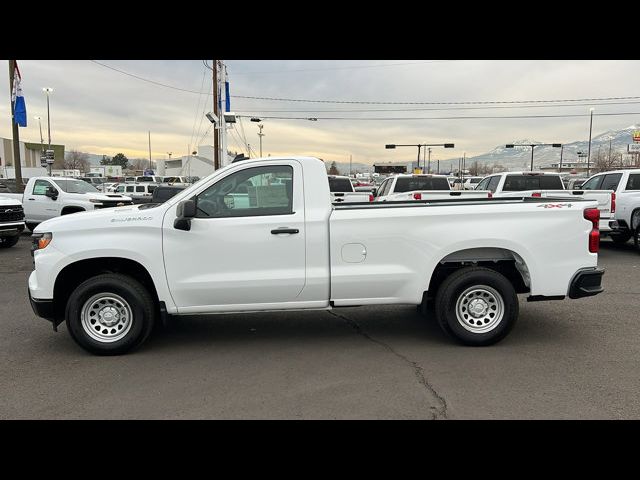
41 240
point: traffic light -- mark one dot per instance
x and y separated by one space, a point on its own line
50 156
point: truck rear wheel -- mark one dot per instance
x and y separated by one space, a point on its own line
6 242
620 238
476 306
636 238
110 314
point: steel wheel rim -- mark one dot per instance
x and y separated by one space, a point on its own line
479 309
106 317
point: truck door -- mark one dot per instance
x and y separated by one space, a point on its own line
246 245
38 207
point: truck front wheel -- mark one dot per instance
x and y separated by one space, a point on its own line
476 306
110 314
6 242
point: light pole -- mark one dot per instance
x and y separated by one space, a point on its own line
420 145
590 128
561 151
39 118
47 91
260 134
533 145
429 163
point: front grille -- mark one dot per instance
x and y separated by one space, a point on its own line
11 214
114 203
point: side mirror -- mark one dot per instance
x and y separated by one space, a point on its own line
52 193
374 192
185 211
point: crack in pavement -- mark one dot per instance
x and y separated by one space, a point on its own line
418 371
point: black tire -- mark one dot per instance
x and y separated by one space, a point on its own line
6 242
452 289
31 226
141 304
620 238
636 238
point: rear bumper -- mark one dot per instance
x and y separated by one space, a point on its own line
586 283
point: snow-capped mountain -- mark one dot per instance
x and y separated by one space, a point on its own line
520 156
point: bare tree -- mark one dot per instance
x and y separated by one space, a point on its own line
75 160
140 164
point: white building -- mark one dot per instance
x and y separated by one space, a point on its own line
199 165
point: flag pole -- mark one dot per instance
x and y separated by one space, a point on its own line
17 166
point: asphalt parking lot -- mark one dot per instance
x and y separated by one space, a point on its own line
572 359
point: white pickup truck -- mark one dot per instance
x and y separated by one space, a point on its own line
342 191
11 221
547 185
113 273
625 184
49 197
421 187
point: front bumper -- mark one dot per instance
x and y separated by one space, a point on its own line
12 229
586 283
42 308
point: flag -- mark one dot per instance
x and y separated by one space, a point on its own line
19 107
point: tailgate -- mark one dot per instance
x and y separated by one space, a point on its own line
603 197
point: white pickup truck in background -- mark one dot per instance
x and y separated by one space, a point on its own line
49 197
405 187
289 248
11 221
547 185
342 191
625 184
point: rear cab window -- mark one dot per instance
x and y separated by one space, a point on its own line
518 183
340 185
410 184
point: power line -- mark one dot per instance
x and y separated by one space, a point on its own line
478 102
380 65
342 110
494 102
478 117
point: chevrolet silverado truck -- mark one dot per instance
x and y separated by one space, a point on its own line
112 274
422 187
11 221
625 205
547 185
49 197
342 191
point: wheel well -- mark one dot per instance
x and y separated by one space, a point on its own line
68 210
501 260
635 219
74 274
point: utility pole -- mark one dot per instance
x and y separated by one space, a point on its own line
350 165
17 166
589 151
429 164
260 134
150 150
609 152
216 111
438 166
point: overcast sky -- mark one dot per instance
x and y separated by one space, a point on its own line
98 110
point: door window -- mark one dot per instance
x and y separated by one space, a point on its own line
634 182
611 181
249 192
140 188
40 187
493 183
593 184
483 184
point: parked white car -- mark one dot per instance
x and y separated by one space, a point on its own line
49 197
547 185
626 202
421 187
113 274
136 190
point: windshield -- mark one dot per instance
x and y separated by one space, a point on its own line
410 184
98 179
76 186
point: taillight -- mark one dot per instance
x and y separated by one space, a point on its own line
613 202
593 215
371 197
536 194
417 196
